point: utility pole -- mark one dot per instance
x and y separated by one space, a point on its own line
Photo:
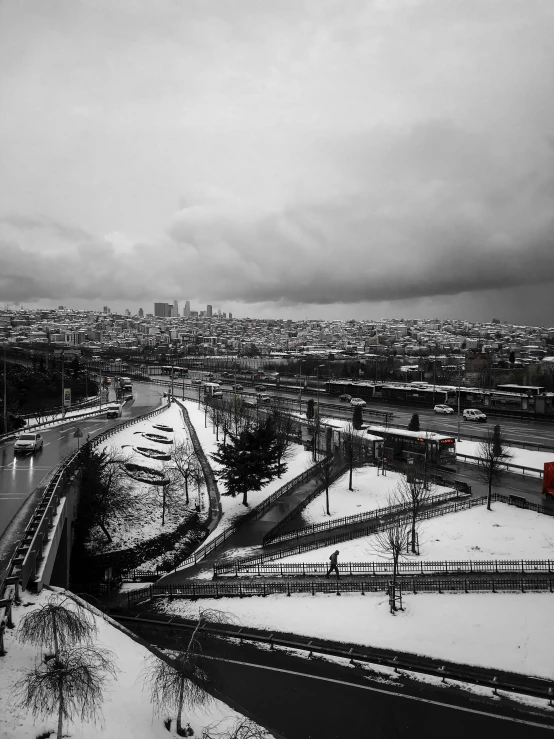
63 383
300 362
100 386
459 380
434 376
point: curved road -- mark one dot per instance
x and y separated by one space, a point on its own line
19 475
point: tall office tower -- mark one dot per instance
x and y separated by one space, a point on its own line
140 313
230 315
186 312
127 312
209 311
175 308
162 310
106 309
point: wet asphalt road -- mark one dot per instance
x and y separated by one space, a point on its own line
19 475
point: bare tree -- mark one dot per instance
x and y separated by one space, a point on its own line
181 681
54 625
283 426
70 684
184 465
352 450
393 543
492 458
242 728
414 493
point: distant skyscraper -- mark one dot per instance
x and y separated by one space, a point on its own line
127 312
209 311
162 310
141 313
106 309
186 312
175 308
230 315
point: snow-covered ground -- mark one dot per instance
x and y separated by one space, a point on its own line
506 532
298 461
126 708
371 491
146 521
506 631
522 457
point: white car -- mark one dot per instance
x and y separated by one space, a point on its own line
473 414
28 443
441 408
358 401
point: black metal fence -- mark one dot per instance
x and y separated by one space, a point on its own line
299 548
420 568
273 537
243 589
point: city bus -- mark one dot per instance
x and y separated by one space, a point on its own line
400 443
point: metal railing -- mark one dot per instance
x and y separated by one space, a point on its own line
356 653
507 465
378 584
337 523
252 515
419 568
229 567
29 551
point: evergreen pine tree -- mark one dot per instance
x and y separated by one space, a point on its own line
357 417
414 423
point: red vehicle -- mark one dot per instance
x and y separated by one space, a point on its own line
548 480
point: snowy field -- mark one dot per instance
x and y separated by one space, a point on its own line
506 631
506 532
523 457
298 461
127 711
371 491
146 521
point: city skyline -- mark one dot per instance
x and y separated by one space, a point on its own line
344 160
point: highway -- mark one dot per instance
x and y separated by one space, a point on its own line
299 698
19 475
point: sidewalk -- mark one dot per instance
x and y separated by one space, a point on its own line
248 536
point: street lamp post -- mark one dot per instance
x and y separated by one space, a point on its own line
300 363
459 380
5 409
63 384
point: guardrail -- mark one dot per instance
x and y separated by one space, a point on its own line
508 465
243 589
494 679
273 537
420 568
252 515
225 568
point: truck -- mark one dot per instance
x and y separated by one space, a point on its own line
212 390
126 385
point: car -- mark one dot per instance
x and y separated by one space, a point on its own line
239 387
261 388
263 398
114 410
442 408
28 442
196 381
474 414
345 398
358 401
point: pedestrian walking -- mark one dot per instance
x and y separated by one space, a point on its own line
334 566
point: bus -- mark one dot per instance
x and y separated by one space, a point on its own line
212 390
400 443
173 370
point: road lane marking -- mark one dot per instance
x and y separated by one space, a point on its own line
384 692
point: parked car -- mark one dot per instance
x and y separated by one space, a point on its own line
474 414
442 408
196 381
358 401
345 398
28 443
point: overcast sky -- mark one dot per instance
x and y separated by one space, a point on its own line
282 158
